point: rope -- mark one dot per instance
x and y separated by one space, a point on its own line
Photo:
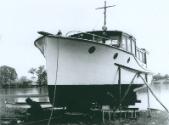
127 91
54 96
154 94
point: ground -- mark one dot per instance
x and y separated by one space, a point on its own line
9 116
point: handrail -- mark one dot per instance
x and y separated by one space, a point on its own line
72 32
94 35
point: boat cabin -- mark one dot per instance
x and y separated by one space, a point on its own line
116 39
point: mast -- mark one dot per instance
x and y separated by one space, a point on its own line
104 28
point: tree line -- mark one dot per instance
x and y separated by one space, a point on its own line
159 76
9 77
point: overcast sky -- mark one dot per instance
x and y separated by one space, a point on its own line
147 20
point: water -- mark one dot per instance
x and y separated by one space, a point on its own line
23 91
160 90
14 95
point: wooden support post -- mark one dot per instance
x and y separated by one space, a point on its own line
148 103
103 116
148 99
119 83
109 115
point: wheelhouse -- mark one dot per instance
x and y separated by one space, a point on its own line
116 39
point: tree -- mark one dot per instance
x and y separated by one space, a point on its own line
166 76
23 81
42 76
8 75
32 71
159 76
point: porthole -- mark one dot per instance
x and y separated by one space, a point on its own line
128 60
91 49
115 55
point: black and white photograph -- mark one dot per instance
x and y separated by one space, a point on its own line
83 62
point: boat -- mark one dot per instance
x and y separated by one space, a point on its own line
93 69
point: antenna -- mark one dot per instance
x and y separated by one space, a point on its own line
104 28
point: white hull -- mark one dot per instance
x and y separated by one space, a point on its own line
68 62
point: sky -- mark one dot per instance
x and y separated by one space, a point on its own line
147 21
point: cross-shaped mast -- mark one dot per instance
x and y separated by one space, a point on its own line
105 8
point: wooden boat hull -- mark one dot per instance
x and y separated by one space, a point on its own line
82 72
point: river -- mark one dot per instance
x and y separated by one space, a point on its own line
23 91
13 95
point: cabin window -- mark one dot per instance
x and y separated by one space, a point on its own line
144 60
141 56
138 54
108 42
128 44
123 43
144 57
133 47
113 41
129 49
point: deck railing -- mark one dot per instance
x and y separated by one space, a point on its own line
94 36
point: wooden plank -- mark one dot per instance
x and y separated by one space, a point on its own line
10 105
